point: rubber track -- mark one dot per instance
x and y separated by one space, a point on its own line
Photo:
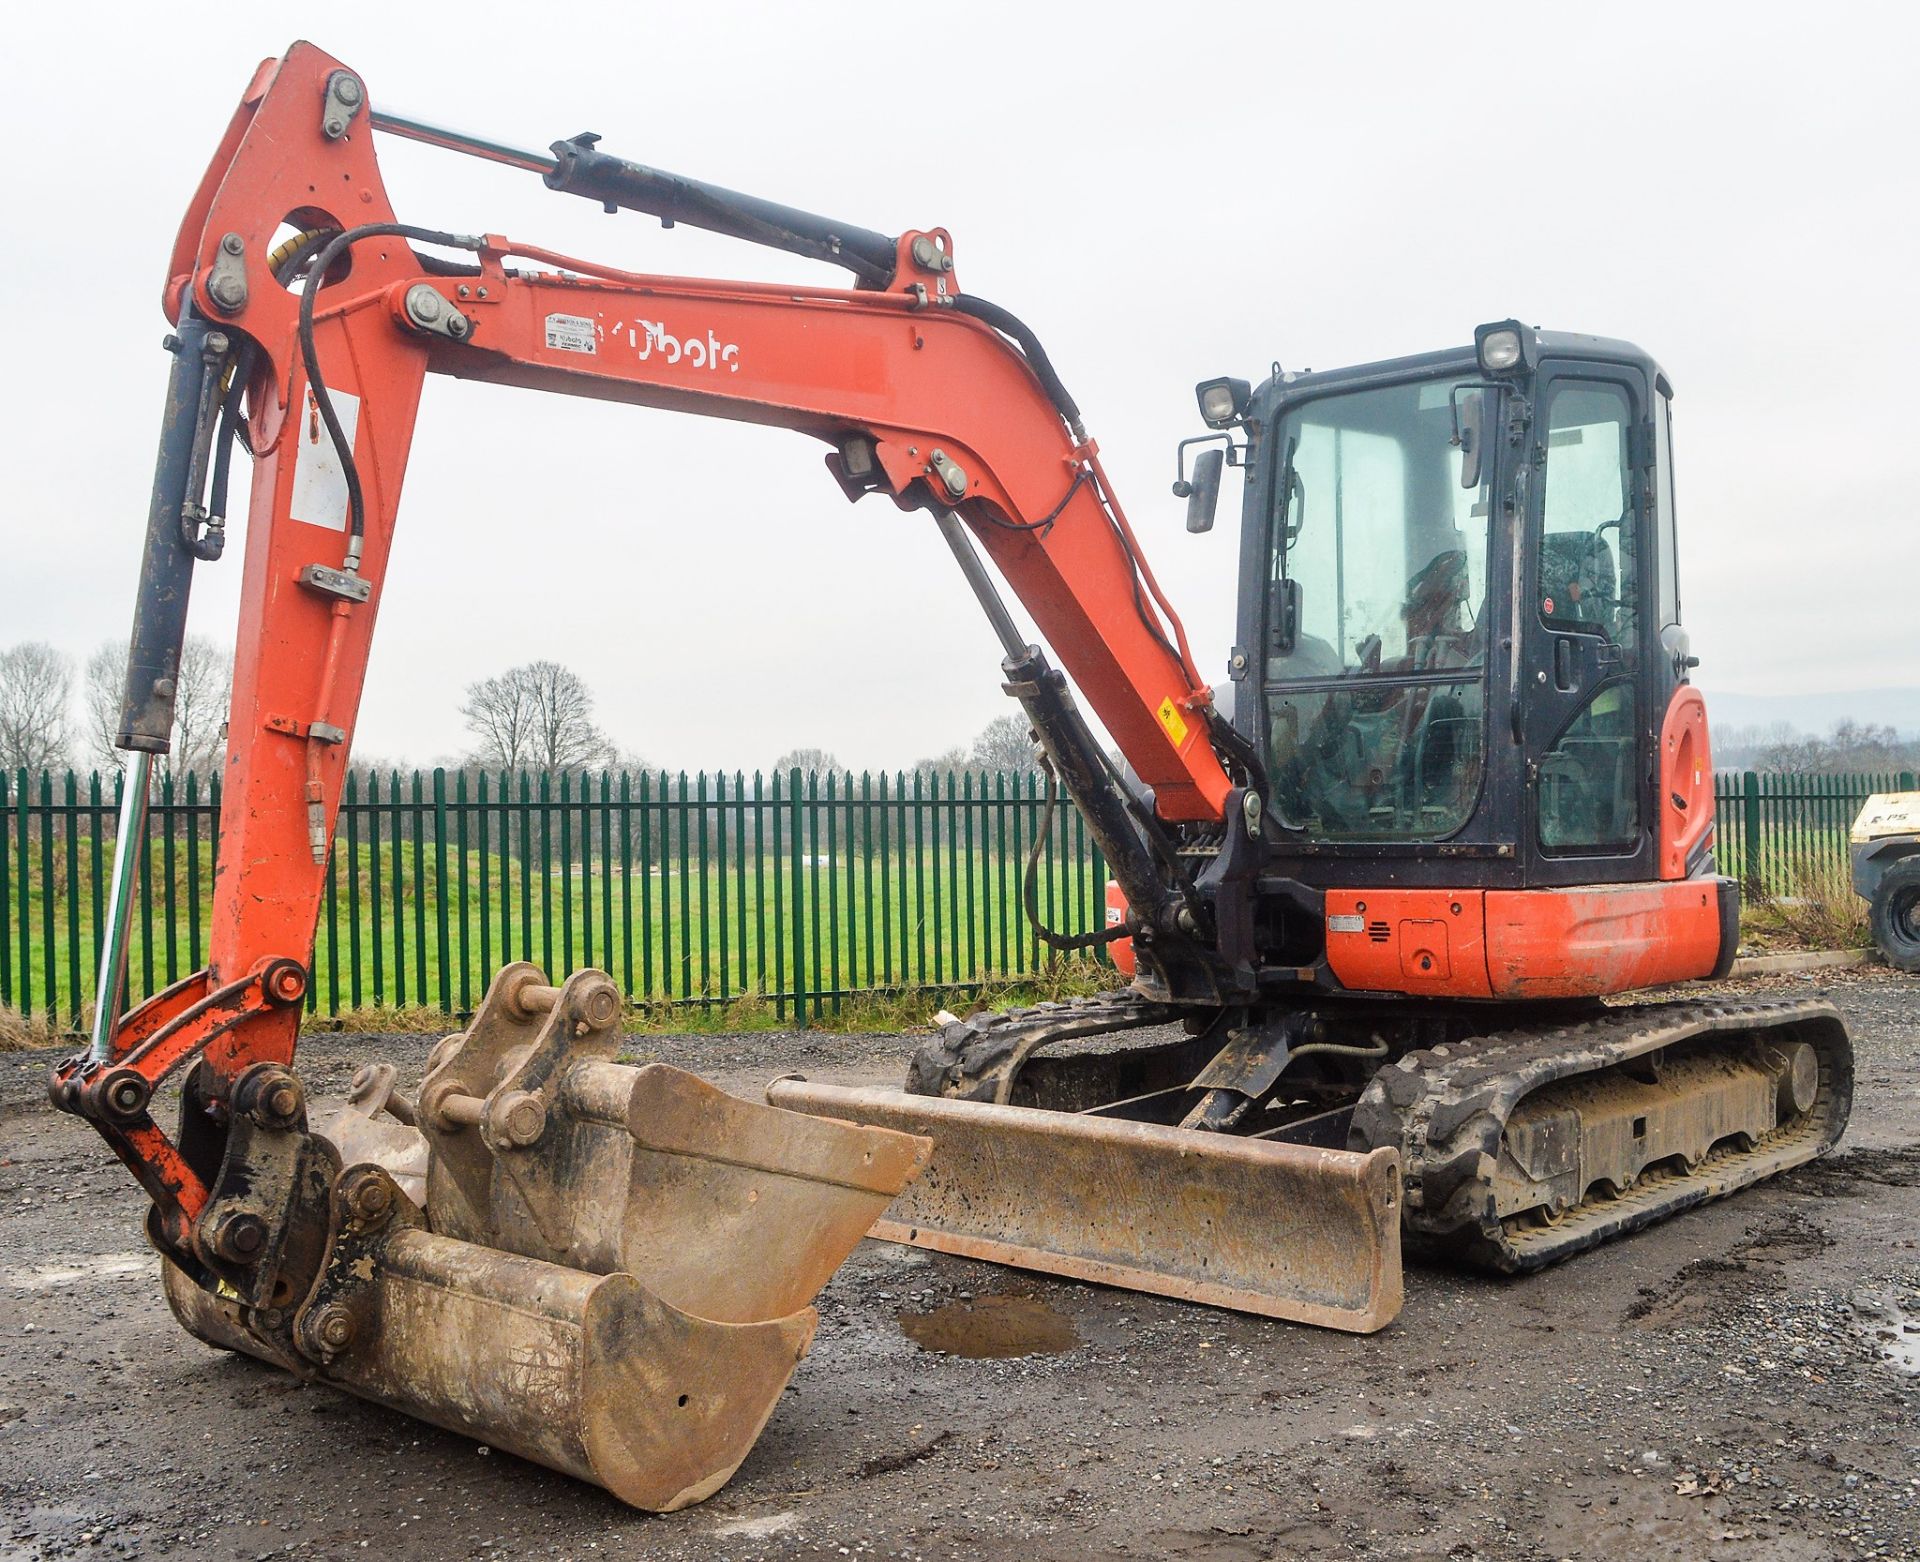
1446 1109
975 1059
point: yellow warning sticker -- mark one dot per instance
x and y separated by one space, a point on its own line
1173 721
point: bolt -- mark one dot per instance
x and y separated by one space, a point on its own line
163 688
456 325
233 244
347 90
287 983
521 1118
217 344
465 291
278 1097
425 306
600 1005
370 1199
924 254
334 1327
127 1095
229 292
240 1236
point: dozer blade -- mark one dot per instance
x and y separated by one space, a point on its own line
612 1271
1282 1230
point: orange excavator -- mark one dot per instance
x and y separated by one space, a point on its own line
1370 917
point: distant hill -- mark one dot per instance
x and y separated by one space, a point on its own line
1816 714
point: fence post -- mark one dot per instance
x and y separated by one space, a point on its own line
442 945
1750 831
797 855
6 897
23 857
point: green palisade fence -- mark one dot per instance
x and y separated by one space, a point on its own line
1777 833
800 890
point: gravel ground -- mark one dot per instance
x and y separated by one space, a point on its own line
1740 1383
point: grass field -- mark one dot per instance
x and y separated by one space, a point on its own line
741 936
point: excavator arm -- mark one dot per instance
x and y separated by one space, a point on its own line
537 1202
920 392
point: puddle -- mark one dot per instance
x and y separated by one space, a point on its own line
758 1529
1892 1329
70 1271
991 1327
1899 1339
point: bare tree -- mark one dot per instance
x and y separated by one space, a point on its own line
200 706
820 761
942 764
204 686
1004 743
36 682
536 716
1850 747
499 713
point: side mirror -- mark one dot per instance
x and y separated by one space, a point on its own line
1469 433
1283 615
1203 492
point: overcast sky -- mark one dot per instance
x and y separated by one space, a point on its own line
1733 187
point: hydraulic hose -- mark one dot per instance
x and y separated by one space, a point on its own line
1030 887
321 264
1010 324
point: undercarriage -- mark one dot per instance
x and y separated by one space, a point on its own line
1521 1138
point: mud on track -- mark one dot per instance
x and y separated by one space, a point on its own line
1742 1383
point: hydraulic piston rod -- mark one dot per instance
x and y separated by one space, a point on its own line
576 167
135 785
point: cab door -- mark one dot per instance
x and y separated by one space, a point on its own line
1585 720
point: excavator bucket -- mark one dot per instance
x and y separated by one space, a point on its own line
1283 1230
601 1268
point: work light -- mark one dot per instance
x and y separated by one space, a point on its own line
1223 402
1505 347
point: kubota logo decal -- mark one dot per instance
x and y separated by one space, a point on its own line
651 338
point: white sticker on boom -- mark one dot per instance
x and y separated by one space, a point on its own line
571 334
1346 924
319 481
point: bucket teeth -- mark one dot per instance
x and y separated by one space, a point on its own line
604 1269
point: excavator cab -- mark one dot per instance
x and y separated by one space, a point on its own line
1459 622
1474 673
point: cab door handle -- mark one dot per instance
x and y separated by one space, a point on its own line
1563 664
